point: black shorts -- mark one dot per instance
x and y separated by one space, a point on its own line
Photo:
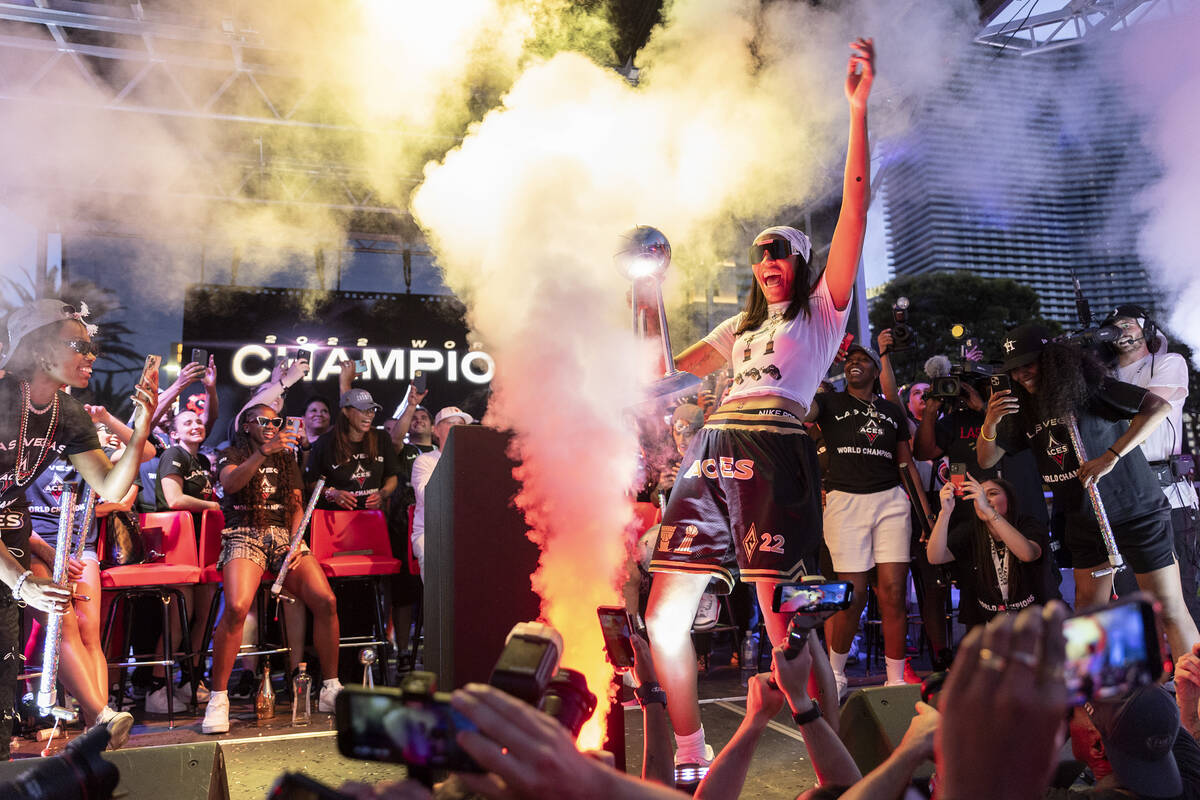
747 502
1145 542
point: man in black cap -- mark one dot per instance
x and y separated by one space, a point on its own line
1135 746
1055 385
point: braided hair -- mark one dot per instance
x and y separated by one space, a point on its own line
249 495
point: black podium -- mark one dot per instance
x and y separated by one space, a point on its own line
477 557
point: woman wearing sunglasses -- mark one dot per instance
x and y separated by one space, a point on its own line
49 348
750 484
263 507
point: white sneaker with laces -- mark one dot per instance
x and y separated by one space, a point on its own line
216 714
690 772
119 724
328 696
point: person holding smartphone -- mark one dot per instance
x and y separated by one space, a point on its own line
1055 383
999 552
263 507
357 460
748 503
50 347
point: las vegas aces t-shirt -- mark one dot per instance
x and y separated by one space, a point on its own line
860 442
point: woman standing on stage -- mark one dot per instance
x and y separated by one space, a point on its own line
750 484
50 347
263 508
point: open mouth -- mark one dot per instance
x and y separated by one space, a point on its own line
855 371
772 280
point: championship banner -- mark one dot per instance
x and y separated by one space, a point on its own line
393 336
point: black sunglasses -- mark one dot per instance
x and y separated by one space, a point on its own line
83 347
270 422
775 248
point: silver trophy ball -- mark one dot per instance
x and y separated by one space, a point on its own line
366 656
643 252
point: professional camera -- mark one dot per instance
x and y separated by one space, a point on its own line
416 725
903 336
946 377
78 772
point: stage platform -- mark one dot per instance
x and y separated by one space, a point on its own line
255 755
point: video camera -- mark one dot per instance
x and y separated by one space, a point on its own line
946 377
903 336
416 725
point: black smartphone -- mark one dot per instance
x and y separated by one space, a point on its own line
200 356
617 629
1000 383
808 598
958 476
419 381
1112 649
384 724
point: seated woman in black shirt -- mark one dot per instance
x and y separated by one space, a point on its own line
357 461
998 552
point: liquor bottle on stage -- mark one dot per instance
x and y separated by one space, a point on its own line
264 703
302 697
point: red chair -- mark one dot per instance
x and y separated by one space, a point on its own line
162 579
354 546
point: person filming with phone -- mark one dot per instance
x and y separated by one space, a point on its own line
1055 383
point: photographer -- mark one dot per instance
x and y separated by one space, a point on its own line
999 551
1143 360
1055 383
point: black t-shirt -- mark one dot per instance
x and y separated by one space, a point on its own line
860 442
407 496
195 471
955 433
74 433
358 474
977 571
262 490
1130 490
45 501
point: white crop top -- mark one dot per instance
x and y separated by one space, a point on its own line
782 358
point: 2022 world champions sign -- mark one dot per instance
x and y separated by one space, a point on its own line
247 329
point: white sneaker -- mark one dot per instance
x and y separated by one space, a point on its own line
843 686
327 698
119 725
690 773
184 693
216 714
156 701
707 612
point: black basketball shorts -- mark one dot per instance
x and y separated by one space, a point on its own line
746 503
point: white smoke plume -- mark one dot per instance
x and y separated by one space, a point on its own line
1165 90
739 114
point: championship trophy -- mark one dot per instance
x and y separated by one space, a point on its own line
643 258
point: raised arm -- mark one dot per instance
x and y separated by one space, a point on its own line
1000 405
112 481
700 359
189 373
937 549
887 376
845 249
102 416
1021 547
1153 411
212 403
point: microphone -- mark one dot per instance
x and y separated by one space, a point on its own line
937 367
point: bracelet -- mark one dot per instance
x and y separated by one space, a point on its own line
985 437
811 715
1115 453
16 589
649 693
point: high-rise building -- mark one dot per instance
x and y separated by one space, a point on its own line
1025 168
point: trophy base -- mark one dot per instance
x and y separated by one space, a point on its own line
666 389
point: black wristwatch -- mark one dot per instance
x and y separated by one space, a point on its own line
805 717
650 693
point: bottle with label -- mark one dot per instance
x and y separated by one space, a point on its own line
302 697
264 703
749 657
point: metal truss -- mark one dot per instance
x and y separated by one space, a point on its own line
1032 26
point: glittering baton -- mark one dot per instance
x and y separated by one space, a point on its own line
1115 562
89 510
47 696
297 537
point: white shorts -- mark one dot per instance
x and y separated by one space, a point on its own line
862 530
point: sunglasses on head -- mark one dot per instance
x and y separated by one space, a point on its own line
83 347
773 249
683 427
270 422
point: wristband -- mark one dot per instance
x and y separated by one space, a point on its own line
985 437
649 693
16 589
1115 453
805 717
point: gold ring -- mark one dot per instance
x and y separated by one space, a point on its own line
1028 659
992 661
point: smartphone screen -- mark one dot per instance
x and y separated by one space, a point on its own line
419 381
200 356
811 597
384 725
614 623
958 476
360 367
1112 650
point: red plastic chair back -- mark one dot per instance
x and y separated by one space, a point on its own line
212 522
336 532
178 536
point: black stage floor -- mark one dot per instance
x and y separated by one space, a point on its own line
256 755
